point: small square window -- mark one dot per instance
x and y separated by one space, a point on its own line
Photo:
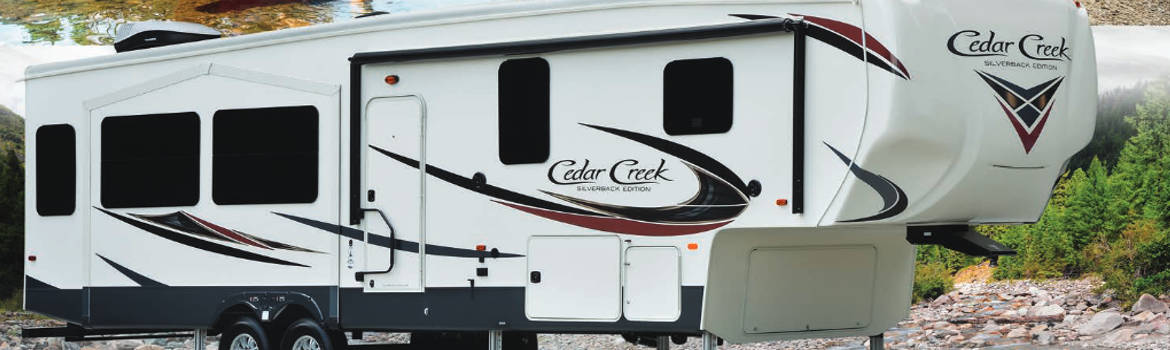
697 96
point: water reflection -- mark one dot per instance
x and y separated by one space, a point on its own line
92 22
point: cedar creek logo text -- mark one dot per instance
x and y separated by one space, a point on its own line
627 175
971 43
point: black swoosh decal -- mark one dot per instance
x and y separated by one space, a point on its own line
485 189
894 200
685 153
715 201
383 241
721 196
199 243
134 276
33 283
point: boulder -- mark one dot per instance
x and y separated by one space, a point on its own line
1019 332
127 344
1145 316
1118 337
149 347
1043 338
1148 303
1100 323
1051 313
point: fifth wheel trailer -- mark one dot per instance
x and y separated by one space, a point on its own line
747 170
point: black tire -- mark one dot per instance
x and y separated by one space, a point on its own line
520 341
307 327
244 325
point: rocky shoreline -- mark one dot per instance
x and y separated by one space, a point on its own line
1002 315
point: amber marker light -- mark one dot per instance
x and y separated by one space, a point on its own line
692 246
781 202
391 79
480 247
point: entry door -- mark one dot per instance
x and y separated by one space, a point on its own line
394 128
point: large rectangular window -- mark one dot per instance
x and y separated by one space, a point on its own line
56 164
523 111
150 160
264 155
697 96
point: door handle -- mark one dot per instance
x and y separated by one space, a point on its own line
361 274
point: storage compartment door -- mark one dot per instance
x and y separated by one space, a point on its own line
652 284
809 288
574 278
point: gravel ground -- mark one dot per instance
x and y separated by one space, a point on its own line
1056 314
1128 12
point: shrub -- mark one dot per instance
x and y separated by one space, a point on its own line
12 303
931 279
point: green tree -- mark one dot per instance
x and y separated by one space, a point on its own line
11 223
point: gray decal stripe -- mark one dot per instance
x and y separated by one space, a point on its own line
894 200
383 241
134 276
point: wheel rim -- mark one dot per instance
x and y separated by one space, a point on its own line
244 341
306 342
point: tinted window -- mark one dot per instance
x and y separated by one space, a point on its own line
523 111
56 165
264 155
697 96
150 160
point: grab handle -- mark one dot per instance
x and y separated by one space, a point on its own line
361 274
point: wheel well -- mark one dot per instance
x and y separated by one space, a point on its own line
230 315
286 316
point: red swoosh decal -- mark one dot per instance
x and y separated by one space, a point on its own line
618 225
853 33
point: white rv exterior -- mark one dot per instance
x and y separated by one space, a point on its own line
781 211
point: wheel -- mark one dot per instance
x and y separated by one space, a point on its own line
306 334
520 341
244 334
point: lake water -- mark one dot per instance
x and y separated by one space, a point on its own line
92 22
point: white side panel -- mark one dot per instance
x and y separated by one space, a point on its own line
206 261
394 123
580 278
652 284
815 288
58 242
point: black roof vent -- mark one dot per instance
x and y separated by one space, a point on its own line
145 35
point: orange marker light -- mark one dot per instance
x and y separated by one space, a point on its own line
781 202
391 79
692 246
480 247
